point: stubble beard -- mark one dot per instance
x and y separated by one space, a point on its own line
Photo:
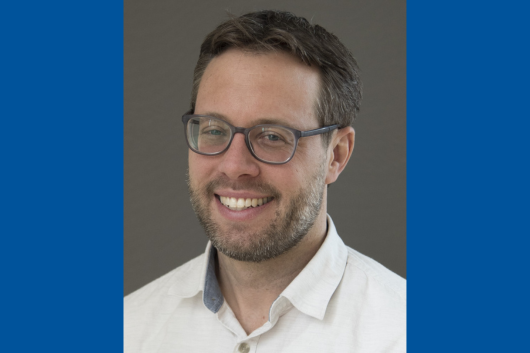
283 233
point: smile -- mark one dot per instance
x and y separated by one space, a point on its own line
240 204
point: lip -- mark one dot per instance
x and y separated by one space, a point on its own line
244 215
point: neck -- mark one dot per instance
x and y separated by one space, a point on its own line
250 288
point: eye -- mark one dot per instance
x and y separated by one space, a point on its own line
269 138
272 137
213 131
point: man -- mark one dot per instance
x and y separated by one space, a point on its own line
269 129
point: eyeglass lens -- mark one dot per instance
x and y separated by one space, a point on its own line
270 143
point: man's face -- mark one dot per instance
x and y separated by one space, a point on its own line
247 89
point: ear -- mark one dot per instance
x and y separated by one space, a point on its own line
339 152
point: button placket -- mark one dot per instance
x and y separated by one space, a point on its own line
243 347
249 345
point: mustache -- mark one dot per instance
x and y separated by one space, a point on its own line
247 185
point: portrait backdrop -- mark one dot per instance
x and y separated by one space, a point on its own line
161 46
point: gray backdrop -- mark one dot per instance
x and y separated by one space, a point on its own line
161 46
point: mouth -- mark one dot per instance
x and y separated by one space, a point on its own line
240 204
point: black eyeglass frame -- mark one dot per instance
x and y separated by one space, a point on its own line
245 131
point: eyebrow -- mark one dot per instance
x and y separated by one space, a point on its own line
260 121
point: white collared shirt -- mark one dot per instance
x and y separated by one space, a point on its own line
342 301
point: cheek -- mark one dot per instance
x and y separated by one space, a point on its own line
308 159
196 167
288 178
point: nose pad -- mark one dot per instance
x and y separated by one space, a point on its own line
238 160
239 148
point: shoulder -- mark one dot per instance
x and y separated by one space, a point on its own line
375 276
148 309
375 298
184 280
370 289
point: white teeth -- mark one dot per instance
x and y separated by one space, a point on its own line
243 204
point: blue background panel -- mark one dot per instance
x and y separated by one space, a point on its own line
467 176
62 176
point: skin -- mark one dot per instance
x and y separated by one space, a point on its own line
245 89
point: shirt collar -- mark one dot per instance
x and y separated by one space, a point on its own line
199 276
309 292
211 296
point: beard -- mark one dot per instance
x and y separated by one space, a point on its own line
283 233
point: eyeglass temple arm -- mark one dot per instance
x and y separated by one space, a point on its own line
322 130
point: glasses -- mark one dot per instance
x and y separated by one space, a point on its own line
269 143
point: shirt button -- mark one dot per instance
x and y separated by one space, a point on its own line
244 348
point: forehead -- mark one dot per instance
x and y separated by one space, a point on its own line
248 87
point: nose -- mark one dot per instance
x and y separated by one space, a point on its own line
237 161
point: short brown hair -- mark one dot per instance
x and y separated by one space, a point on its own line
266 31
